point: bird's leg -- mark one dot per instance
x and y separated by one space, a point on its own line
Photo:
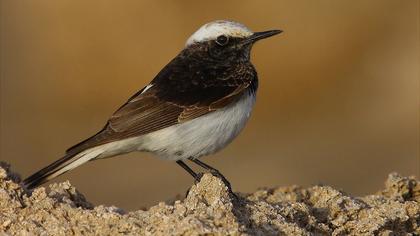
196 176
213 171
188 169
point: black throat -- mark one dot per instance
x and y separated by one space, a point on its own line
206 70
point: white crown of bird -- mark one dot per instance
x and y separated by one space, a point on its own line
214 29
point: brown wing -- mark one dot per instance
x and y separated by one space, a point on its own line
148 114
173 98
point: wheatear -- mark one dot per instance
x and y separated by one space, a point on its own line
195 106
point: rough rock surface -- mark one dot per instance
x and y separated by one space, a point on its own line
210 209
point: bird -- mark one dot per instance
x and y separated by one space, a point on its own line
195 106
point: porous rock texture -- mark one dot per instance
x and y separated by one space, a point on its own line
209 208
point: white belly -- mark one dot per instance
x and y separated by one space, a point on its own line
199 137
202 136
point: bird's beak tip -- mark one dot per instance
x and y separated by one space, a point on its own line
277 31
264 34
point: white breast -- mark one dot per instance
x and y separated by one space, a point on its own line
192 139
201 136
198 137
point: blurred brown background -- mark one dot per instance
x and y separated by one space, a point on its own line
338 100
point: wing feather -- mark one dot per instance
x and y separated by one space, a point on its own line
173 97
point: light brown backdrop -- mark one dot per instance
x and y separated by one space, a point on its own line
338 101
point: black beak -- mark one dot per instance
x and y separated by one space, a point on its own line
261 35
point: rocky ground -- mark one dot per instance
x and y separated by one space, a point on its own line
210 209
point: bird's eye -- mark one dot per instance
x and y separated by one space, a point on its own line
222 40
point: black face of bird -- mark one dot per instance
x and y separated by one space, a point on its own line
228 49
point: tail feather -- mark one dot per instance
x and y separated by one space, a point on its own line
59 167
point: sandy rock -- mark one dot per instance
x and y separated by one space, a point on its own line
209 208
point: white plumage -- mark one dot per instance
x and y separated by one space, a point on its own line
199 137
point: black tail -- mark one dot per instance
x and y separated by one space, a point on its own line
51 171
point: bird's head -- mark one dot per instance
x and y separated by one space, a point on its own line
226 40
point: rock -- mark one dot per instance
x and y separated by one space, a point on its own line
209 208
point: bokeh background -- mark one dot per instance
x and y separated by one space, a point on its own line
338 101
